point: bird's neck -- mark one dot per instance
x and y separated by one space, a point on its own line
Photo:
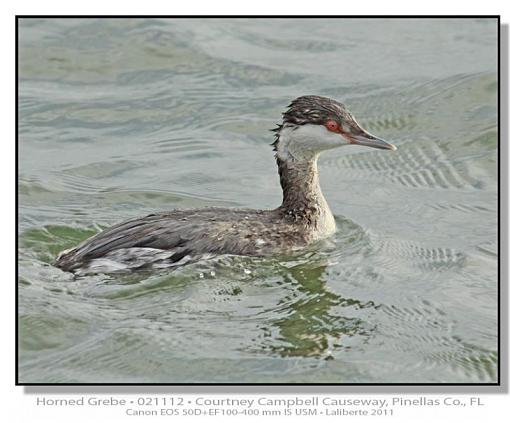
302 195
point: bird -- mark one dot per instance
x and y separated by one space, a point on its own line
310 125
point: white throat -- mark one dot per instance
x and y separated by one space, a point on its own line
303 142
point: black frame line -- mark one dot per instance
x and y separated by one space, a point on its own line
234 16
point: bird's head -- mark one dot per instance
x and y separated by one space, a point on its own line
313 124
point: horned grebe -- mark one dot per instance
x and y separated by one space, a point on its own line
311 125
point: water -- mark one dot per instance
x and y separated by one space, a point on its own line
120 118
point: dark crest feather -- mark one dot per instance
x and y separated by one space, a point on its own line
277 130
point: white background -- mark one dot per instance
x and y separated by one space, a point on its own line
18 405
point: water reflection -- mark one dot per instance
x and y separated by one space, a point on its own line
312 326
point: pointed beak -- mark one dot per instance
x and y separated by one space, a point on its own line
369 140
355 134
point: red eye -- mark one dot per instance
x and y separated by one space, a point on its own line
333 126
